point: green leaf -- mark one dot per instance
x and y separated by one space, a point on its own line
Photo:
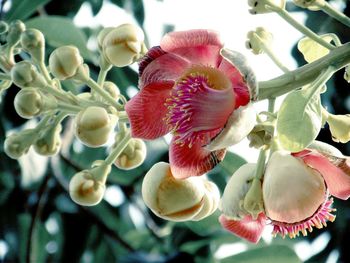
271 254
231 163
22 9
96 6
206 226
299 120
134 7
60 31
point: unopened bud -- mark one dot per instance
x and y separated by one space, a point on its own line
33 42
261 6
123 45
232 201
340 127
170 198
101 36
132 156
18 144
31 102
112 89
49 141
25 75
14 32
94 125
313 5
65 62
258 39
85 190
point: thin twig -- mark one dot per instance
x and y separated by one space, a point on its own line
42 192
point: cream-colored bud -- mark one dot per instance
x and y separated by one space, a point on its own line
132 156
347 73
33 41
313 5
18 144
123 45
101 36
94 125
211 201
258 39
31 102
112 89
28 103
14 32
284 171
65 61
85 190
232 201
170 198
261 6
340 127
49 141
25 75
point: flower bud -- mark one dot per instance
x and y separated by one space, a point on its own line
257 39
101 36
340 127
18 144
123 45
132 156
211 201
33 41
170 198
49 141
65 62
261 6
313 5
284 171
232 201
85 190
93 126
261 135
347 73
14 32
24 74
112 89
31 102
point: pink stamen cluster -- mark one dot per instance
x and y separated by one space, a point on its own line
184 100
318 220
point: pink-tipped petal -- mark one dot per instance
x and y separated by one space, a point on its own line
188 161
238 84
147 109
335 171
197 46
151 55
247 228
168 67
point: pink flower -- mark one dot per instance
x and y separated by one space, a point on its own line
189 89
296 193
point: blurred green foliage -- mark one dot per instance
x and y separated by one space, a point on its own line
41 224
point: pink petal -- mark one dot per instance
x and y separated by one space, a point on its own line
239 86
188 161
151 55
147 110
197 46
247 228
168 67
335 171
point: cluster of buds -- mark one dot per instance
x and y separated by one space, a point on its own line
96 113
174 199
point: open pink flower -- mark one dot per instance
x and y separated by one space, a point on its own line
188 88
296 194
